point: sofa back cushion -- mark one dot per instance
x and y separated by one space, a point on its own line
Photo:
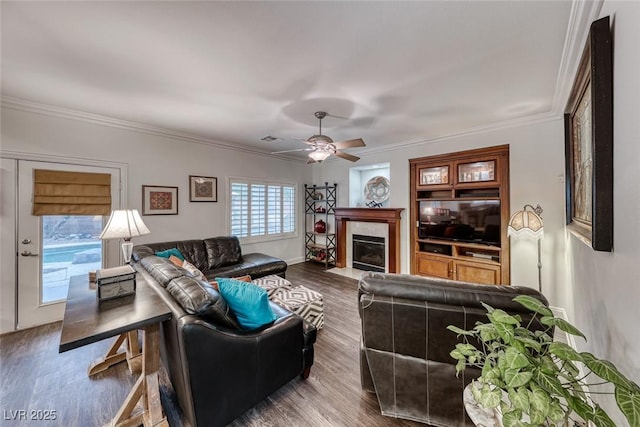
222 251
199 298
162 269
193 250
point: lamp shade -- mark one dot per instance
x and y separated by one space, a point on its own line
526 223
124 224
319 155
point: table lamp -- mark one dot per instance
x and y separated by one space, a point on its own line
528 223
124 224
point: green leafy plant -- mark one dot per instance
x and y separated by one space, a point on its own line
534 380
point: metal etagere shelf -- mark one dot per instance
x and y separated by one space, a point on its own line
320 205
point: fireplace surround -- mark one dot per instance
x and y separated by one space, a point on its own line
388 216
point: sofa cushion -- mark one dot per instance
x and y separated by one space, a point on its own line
222 251
193 271
176 261
249 302
246 278
170 252
201 299
192 250
257 265
161 269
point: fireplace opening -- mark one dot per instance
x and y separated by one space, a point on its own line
368 253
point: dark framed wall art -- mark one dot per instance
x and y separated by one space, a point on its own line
157 200
203 189
589 142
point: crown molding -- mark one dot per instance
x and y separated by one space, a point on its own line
508 124
51 110
583 13
66 113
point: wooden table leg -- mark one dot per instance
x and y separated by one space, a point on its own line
131 354
134 354
146 390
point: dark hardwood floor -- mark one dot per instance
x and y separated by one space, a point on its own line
35 377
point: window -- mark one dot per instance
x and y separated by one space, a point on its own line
261 210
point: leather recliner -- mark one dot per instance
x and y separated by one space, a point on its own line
404 353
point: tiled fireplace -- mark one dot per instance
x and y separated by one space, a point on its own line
368 239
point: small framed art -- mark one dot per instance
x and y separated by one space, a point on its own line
203 189
157 200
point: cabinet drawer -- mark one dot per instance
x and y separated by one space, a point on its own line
434 266
477 273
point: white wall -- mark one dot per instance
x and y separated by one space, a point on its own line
154 160
606 286
537 171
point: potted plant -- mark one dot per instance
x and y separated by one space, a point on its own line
533 380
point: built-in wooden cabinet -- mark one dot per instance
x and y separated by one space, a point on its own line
459 215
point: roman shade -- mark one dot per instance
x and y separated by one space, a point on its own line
71 193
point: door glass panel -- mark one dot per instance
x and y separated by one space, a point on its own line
70 247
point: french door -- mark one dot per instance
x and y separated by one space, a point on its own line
53 248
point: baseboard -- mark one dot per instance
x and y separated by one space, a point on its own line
292 261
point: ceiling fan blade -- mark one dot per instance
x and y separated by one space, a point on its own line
291 151
346 156
338 117
311 161
306 141
350 143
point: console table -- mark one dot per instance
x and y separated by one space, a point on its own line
87 321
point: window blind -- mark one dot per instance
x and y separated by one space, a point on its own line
71 193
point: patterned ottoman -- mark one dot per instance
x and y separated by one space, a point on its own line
304 302
272 284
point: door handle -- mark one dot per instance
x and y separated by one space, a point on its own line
27 253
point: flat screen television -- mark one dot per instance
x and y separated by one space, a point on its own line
476 221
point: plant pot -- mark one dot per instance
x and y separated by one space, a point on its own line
480 416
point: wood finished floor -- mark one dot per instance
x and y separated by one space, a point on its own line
34 376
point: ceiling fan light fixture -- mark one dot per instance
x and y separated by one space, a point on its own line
319 155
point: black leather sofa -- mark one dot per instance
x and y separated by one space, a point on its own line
404 353
218 370
217 257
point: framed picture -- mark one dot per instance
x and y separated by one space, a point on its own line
203 189
589 143
157 200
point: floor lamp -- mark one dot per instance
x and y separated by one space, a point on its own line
528 223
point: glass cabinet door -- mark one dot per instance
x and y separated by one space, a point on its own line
436 175
484 171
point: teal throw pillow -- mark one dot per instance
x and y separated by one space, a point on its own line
249 302
169 252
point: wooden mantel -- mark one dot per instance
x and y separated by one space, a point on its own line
391 216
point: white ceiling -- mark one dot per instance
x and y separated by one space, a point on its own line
234 72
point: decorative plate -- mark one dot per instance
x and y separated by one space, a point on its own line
377 189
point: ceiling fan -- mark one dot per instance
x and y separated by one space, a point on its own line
321 146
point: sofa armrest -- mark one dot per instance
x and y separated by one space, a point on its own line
231 370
